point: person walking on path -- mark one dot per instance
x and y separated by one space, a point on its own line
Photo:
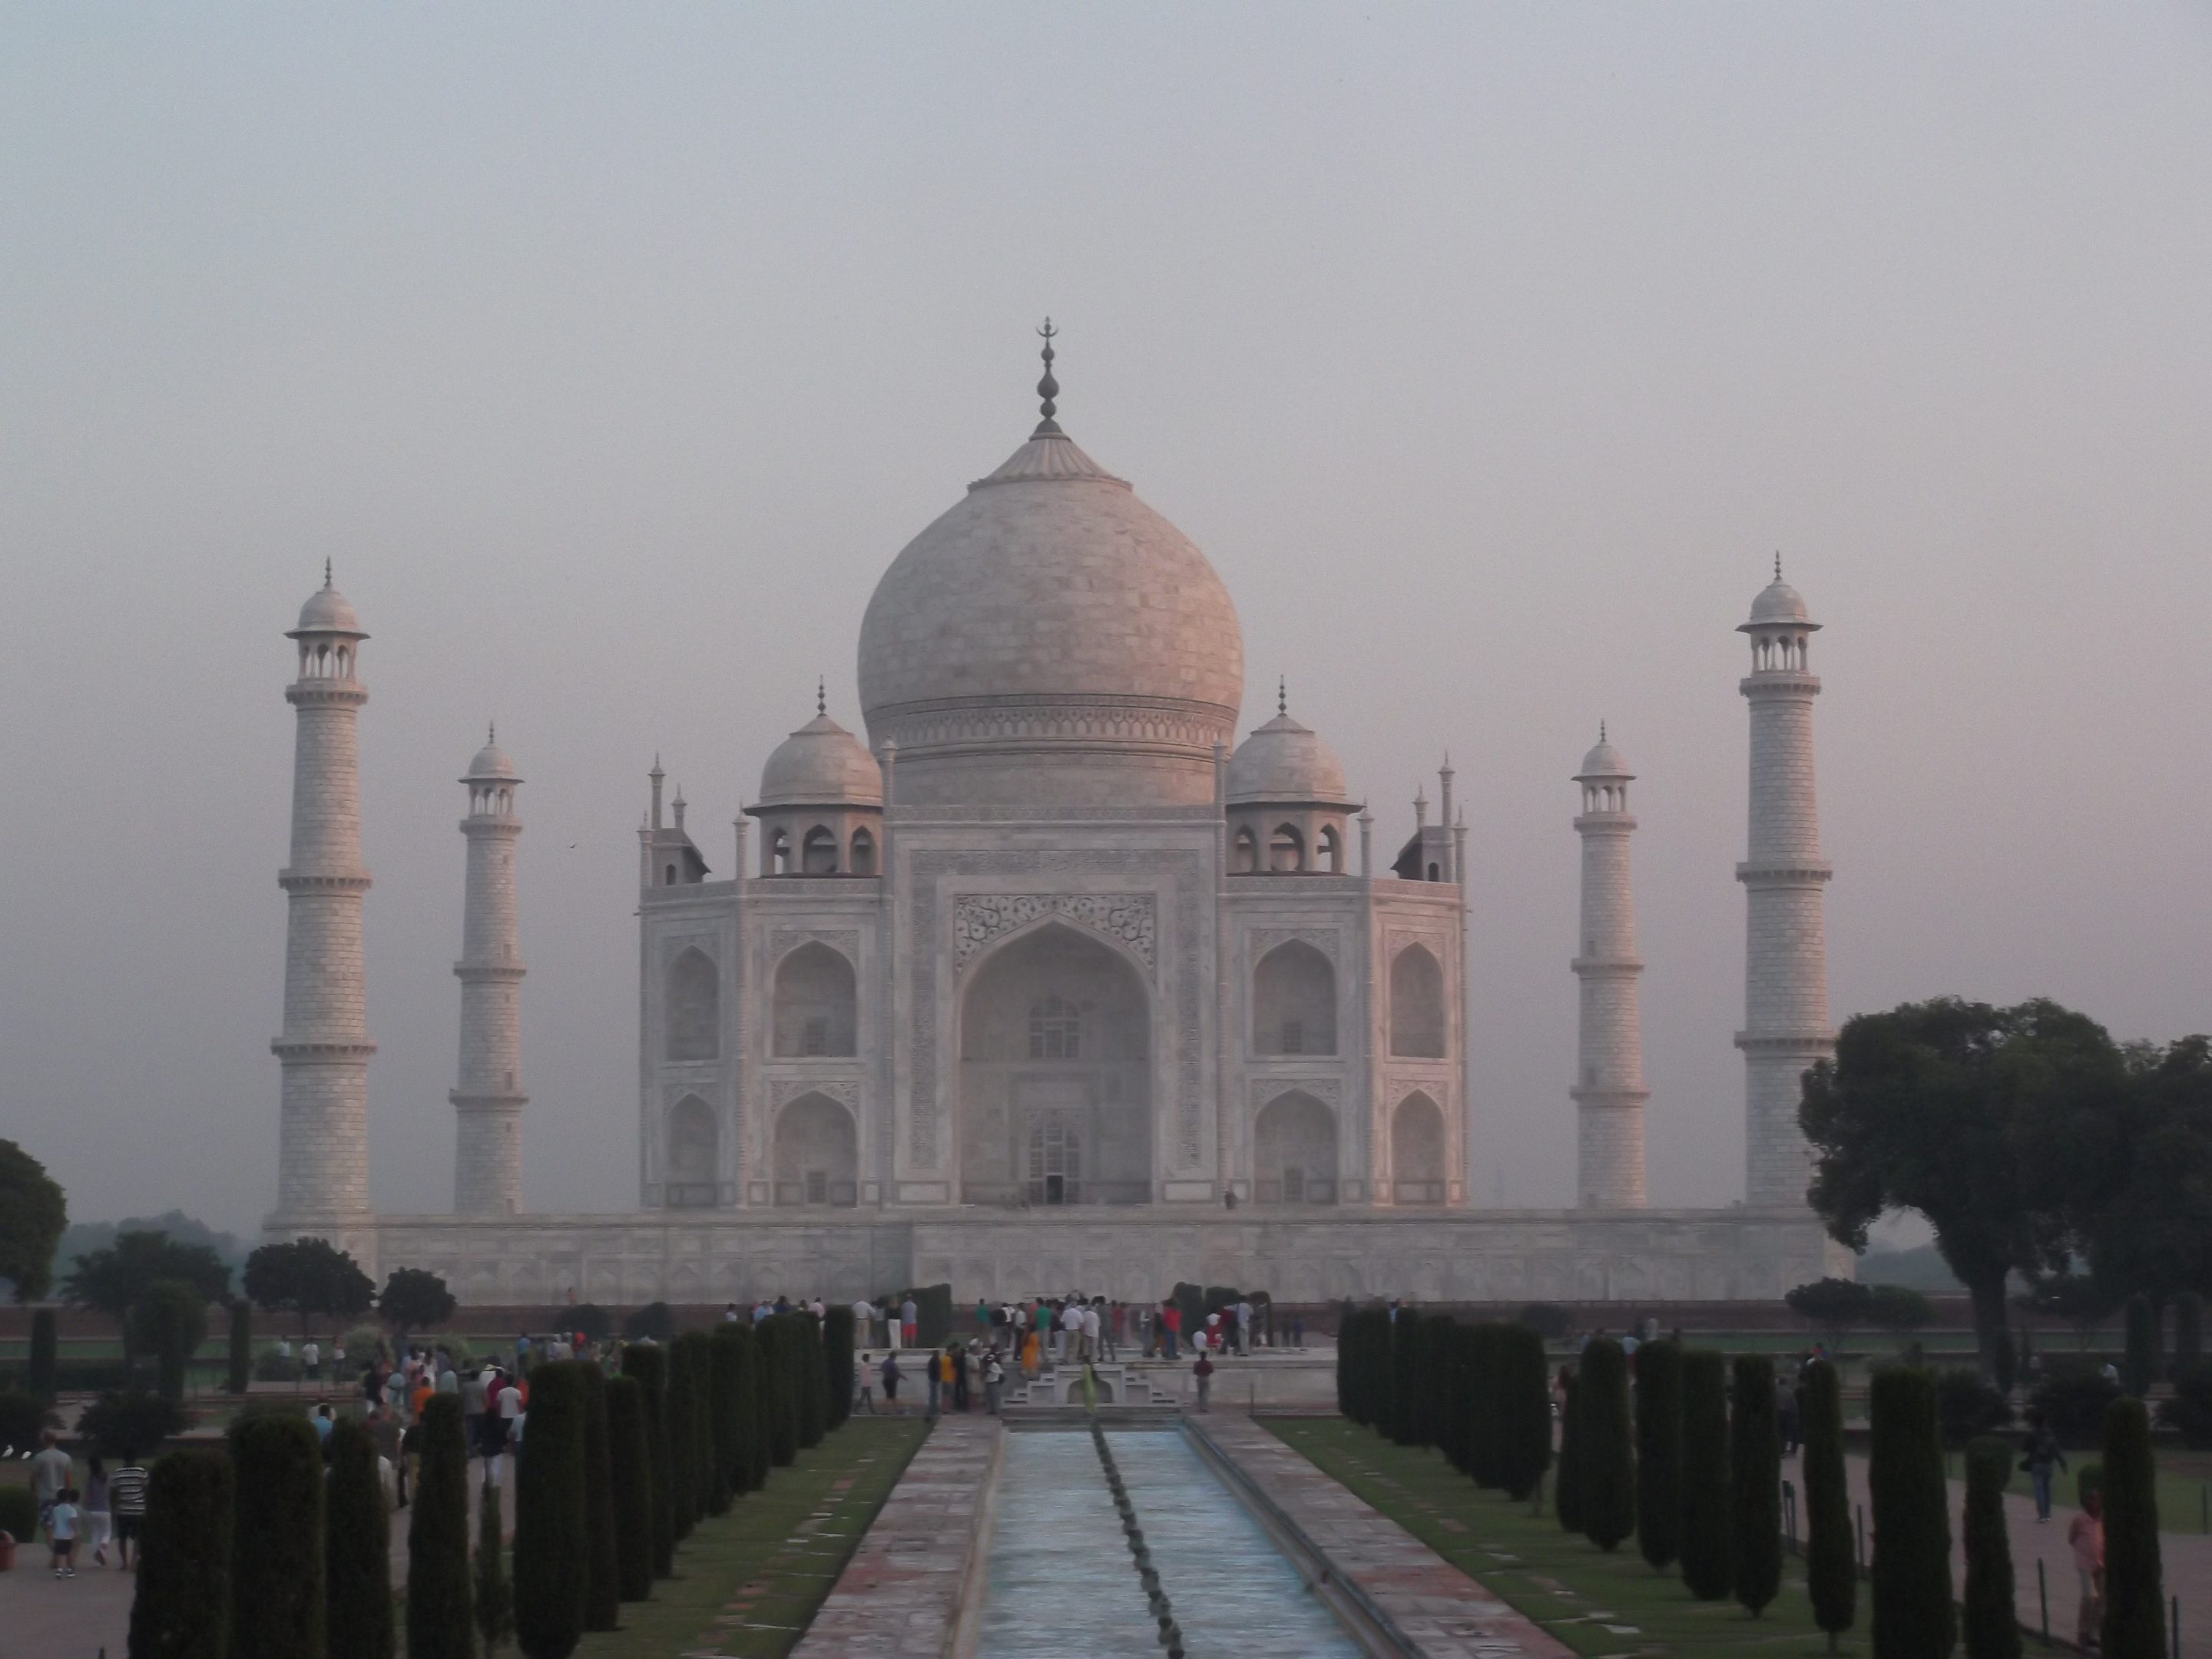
1170 1326
311 1356
2042 1452
51 1474
2087 1536
994 1375
61 1533
98 1517
1030 1355
891 1382
126 1496
1204 1372
1093 1329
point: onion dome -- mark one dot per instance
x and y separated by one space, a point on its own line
1778 605
821 764
328 612
1604 763
491 764
1284 762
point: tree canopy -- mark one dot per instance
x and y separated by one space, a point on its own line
1834 1304
113 1280
413 1298
32 1214
309 1277
2138 1179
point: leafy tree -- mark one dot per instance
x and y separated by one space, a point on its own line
439 1625
1520 1385
588 1320
311 1278
23 1419
1659 1453
1834 1304
2139 1176
411 1299
44 1350
181 1606
1832 1575
2074 1407
603 1594
169 1322
648 1365
2135 1599
1608 1446
132 1420
492 1593
631 1469
1967 1407
1913 1616
1956 1110
1898 1307
111 1280
2188 1412
241 1346
552 1546
1755 1466
357 1548
1991 1621
32 1215
276 1604
2139 1368
654 1322
1567 1486
2076 1299
1708 1565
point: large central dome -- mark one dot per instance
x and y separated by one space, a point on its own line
1051 641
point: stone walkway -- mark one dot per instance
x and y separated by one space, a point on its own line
901 1593
1436 1606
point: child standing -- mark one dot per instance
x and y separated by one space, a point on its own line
61 1533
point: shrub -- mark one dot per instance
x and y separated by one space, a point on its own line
837 1356
752 1423
181 1609
39 1376
677 1417
1708 1567
1405 1427
1520 1386
357 1548
2074 1406
1463 1410
1967 1407
1834 1304
1608 1478
277 1539
1483 1430
1659 1453
1755 1471
589 1320
1567 1489
1898 1307
723 1364
364 1346
1991 1622
2188 1332
649 1366
1831 1576
701 1346
241 1346
19 1513
552 1551
630 1466
138 1421
2188 1414
1911 1571
169 1322
439 1625
653 1323
603 1593
2134 1598
780 1395
2139 1368
492 1592
23 1418
1548 1319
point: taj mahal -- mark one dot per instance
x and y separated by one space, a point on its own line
1053 980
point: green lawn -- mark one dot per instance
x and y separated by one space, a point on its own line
1581 1595
768 1563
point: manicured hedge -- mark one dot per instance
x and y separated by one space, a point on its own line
603 1593
552 1548
1659 1453
276 1604
1991 1621
356 1548
2135 1597
678 1414
1832 1573
813 1381
1567 1490
1609 1472
1911 1576
648 1365
182 1605
38 1375
1520 1385
837 1353
631 1468
1755 1472
439 1612
1708 1539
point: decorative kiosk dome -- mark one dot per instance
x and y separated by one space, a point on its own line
1282 764
1052 640
821 804
1287 801
821 764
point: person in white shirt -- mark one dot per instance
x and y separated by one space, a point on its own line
1243 1327
1071 1325
863 1324
311 1358
1091 1327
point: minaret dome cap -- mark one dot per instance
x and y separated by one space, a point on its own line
491 765
328 612
1779 605
1604 764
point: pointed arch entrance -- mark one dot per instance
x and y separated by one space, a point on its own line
1055 1074
817 1153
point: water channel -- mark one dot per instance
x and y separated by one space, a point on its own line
1058 1578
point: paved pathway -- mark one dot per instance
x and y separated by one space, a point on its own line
901 1593
1445 1612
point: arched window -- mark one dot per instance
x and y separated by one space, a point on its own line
864 853
694 1013
668 876
817 1156
816 1008
1417 1151
819 854
1244 857
1056 1162
1055 1031
693 1146
1330 854
1294 1151
1417 1005
1286 850
1294 1002
779 853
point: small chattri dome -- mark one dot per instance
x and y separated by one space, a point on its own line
821 764
328 612
1604 763
1282 763
491 764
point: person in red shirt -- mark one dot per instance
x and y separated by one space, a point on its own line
1170 1326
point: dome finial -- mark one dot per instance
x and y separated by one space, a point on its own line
1282 695
1777 564
1048 388
491 732
821 696
1601 731
326 573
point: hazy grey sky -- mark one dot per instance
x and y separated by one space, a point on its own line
1489 353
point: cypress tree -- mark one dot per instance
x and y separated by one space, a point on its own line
356 1548
1405 1427
753 1444
1832 1575
181 1609
1991 1622
1755 1469
40 1378
678 1426
729 1427
1520 1388
1608 1446
630 1466
813 1379
1484 1447
438 1617
837 1349
1567 1490
2140 1363
1456 1413
552 1547
494 1598
1382 1370
648 1365
1659 1453
1348 1404
2188 1332
1910 1577
779 1357
702 1419
241 1345
277 1539
1708 1561
2135 1597
602 1593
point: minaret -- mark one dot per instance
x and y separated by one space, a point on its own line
1786 1026
323 1127
489 1099
1609 1092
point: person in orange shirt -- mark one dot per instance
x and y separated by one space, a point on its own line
417 1400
